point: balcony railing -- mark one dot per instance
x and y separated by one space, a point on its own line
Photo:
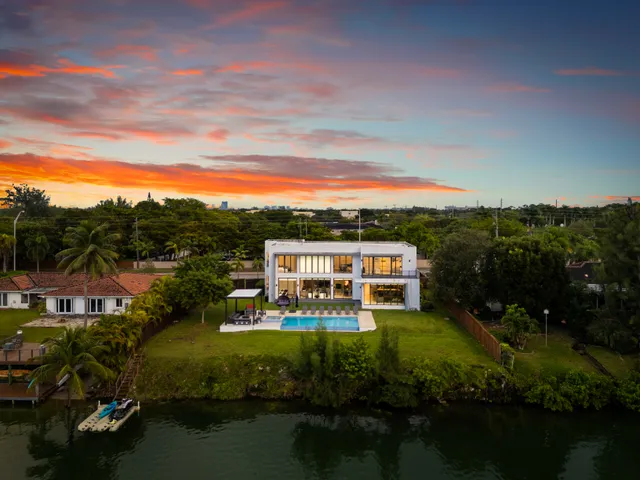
404 274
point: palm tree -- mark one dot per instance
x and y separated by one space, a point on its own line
70 354
7 243
91 253
37 249
258 265
172 246
239 255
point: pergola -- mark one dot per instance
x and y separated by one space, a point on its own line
246 294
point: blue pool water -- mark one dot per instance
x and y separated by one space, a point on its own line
308 322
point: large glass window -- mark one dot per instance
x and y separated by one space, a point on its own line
287 287
65 305
315 264
383 294
342 288
390 266
315 288
287 263
343 264
96 305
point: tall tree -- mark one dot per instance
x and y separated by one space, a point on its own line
458 267
37 249
70 354
519 326
258 265
7 242
33 201
239 256
91 252
199 289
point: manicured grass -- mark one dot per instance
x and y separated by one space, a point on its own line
12 319
618 365
556 358
421 334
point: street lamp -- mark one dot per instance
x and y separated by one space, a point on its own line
546 331
15 245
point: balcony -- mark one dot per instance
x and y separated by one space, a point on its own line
404 274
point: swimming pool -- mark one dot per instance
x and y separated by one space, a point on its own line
309 322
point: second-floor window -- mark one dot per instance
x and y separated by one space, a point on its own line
287 264
343 264
382 266
315 264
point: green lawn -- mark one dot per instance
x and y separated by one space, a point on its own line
556 358
421 334
618 365
10 321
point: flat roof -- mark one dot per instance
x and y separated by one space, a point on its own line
245 293
354 242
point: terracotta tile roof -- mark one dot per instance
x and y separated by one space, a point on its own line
126 285
8 285
55 280
23 282
136 283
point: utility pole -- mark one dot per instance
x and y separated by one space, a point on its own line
299 228
500 206
15 237
306 228
137 247
497 224
359 229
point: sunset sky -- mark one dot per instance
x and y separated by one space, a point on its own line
338 103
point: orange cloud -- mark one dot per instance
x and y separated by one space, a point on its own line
623 198
5 144
66 66
240 67
97 135
229 175
589 71
251 10
187 72
218 135
516 87
11 69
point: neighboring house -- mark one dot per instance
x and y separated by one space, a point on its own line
11 294
21 290
585 272
106 295
376 274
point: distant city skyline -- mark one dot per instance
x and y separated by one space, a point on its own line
313 104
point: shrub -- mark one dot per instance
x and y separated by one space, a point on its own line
628 392
507 356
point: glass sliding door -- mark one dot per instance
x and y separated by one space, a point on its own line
342 288
288 287
382 266
315 288
374 294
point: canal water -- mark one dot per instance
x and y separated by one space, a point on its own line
245 440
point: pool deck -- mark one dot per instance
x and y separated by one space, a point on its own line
365 322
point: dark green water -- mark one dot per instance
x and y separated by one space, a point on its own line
291 441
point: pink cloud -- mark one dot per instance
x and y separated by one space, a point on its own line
218 135
144 52
249 11
5 144
188 72
589 71
516 88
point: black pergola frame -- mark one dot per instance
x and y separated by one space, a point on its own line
243 294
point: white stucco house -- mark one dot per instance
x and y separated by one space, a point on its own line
375 274
64 295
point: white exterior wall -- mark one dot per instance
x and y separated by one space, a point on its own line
78 305
14 300
357 250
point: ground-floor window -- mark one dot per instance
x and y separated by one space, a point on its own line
342 288
315 288
96 305
118 303
4 299
65 305
24 298
288 287
383 294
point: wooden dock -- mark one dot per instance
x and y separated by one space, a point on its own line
96 424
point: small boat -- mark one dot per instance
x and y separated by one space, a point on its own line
120 411
108 409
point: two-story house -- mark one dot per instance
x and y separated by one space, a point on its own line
375 274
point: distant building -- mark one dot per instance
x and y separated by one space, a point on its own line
349 213
224 205
299 213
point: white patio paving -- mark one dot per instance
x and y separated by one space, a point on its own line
365 322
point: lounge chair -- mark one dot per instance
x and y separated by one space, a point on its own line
355 309
321 310
347 310
339 310
313 310
330 310
283 310
304 310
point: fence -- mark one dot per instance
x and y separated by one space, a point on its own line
475 328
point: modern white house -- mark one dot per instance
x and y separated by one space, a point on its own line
375 274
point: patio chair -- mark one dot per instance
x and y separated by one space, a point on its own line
321 310
330 310
347 310
304 310
283 310
339 310
355 309
313 310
